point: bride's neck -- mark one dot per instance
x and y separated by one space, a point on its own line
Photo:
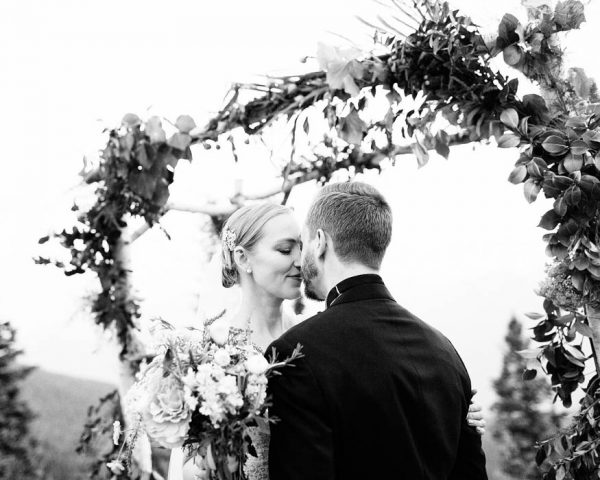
261 309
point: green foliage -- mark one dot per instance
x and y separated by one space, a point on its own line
96 438
522 419
17 448
574 454
133 178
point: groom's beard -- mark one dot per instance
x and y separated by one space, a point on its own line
309 272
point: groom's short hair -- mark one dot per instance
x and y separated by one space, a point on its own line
358 218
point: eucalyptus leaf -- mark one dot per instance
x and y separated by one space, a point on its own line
518 174
509 140
531 190
555 145
573 163
510 118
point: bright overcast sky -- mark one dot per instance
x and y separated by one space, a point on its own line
466 253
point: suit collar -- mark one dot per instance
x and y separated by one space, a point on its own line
359 287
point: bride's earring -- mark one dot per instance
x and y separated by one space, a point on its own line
249 270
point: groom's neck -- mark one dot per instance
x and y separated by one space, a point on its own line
342 271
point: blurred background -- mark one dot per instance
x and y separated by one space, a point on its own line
466 254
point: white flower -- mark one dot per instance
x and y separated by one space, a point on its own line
219 332
168 415
189 398
116 432
257 364
116 467
222 358
256 390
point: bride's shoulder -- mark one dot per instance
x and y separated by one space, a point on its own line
291 320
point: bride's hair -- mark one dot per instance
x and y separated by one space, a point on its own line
244 228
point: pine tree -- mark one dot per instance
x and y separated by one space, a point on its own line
522 419
594 98
16 446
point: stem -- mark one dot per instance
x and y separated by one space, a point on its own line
593 316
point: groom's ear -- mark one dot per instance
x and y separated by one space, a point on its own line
321 244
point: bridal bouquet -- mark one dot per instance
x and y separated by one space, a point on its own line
203 392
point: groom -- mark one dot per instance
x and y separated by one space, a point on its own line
379 393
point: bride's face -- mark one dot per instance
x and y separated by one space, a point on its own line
275 259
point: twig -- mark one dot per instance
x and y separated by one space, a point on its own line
314 93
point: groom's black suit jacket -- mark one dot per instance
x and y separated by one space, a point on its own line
379 395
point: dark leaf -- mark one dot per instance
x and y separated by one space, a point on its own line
566 231
510 118
560 206
421 154
131 120
569 15
590 185
507 27
573 195
536 167
555 145
529 374
185 124
584 329
144 155
573 163
531 190
512 55
535 315
441 147
578 280
540 456
536 105
579 147
180 141
576 123
351 128
550 220
509 140
518 174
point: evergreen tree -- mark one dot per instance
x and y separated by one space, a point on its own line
594 98
522 419
16 446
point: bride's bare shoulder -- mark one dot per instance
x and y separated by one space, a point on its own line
290 320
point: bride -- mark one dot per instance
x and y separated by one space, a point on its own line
261 253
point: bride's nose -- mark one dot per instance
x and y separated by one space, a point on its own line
296 259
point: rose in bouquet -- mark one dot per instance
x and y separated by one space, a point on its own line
203 392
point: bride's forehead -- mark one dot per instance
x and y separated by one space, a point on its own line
285 226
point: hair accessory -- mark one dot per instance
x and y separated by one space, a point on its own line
229 237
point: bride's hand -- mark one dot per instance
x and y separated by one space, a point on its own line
475 416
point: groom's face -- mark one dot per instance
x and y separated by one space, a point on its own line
310 268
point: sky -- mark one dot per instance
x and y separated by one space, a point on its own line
466 252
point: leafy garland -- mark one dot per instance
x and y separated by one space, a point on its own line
444 66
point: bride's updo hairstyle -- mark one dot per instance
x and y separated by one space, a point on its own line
244 228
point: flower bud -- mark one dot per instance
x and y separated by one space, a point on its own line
257 364
222 358
219 332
